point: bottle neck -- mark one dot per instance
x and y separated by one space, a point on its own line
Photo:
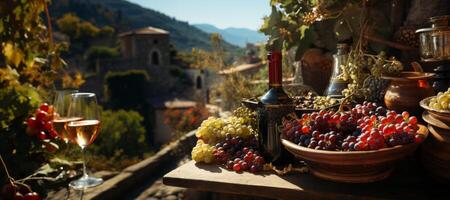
275 73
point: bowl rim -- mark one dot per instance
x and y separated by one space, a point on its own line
409 75
424 104
422 129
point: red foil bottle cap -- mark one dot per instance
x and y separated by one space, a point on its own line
275 70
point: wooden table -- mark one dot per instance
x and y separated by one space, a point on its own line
405 183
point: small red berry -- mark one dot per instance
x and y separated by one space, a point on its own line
31 122
230 164
418 138
237 167
42 135
254 169
53 134
48 126
244 166
398 119
306 129
412 120
259 160
405 115
41 115
44 107
18 196
31 196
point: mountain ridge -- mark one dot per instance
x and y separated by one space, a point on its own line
124 16
233 35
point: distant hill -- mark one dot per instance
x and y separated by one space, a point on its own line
124 16
236 36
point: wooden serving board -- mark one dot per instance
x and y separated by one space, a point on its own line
406 183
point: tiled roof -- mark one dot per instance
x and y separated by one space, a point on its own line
241 68
162 102
145 31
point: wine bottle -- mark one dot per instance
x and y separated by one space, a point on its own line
275 95
275 104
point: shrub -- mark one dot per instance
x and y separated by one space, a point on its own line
121 133
126 89
185 120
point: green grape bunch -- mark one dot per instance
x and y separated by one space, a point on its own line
248 115
441 101
364 71
214 130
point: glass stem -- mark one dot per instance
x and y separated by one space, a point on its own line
85 175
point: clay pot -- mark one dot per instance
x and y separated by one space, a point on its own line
316 69
352 166
435 154
406 90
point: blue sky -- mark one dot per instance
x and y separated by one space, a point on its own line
220 13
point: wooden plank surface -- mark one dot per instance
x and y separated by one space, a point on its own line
304 186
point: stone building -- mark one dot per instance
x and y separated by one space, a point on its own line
149 49
149 44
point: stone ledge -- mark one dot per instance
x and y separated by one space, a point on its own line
132 176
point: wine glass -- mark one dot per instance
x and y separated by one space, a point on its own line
61 104
84 131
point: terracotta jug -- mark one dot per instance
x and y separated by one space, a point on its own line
406 90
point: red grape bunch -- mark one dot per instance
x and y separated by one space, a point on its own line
41 126
365 127
239 154
18 192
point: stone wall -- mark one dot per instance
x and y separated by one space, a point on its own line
148 170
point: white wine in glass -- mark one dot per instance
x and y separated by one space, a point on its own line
59 125
84 131
61 104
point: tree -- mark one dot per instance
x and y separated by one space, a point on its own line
87 30
214 59
69 24
99 52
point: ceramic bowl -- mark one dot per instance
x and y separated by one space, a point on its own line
443 115
352 166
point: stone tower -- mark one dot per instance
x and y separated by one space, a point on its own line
150 45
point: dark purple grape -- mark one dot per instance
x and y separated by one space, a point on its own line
307 142
321 143
351 146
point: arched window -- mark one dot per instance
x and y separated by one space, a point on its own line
155 58
198 83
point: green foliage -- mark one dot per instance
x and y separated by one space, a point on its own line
75 28
181 76
83 33
69 24
27 54
121 133
16 146
126 89
233 88
295 24
88 30
99 52
107 31
15 105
